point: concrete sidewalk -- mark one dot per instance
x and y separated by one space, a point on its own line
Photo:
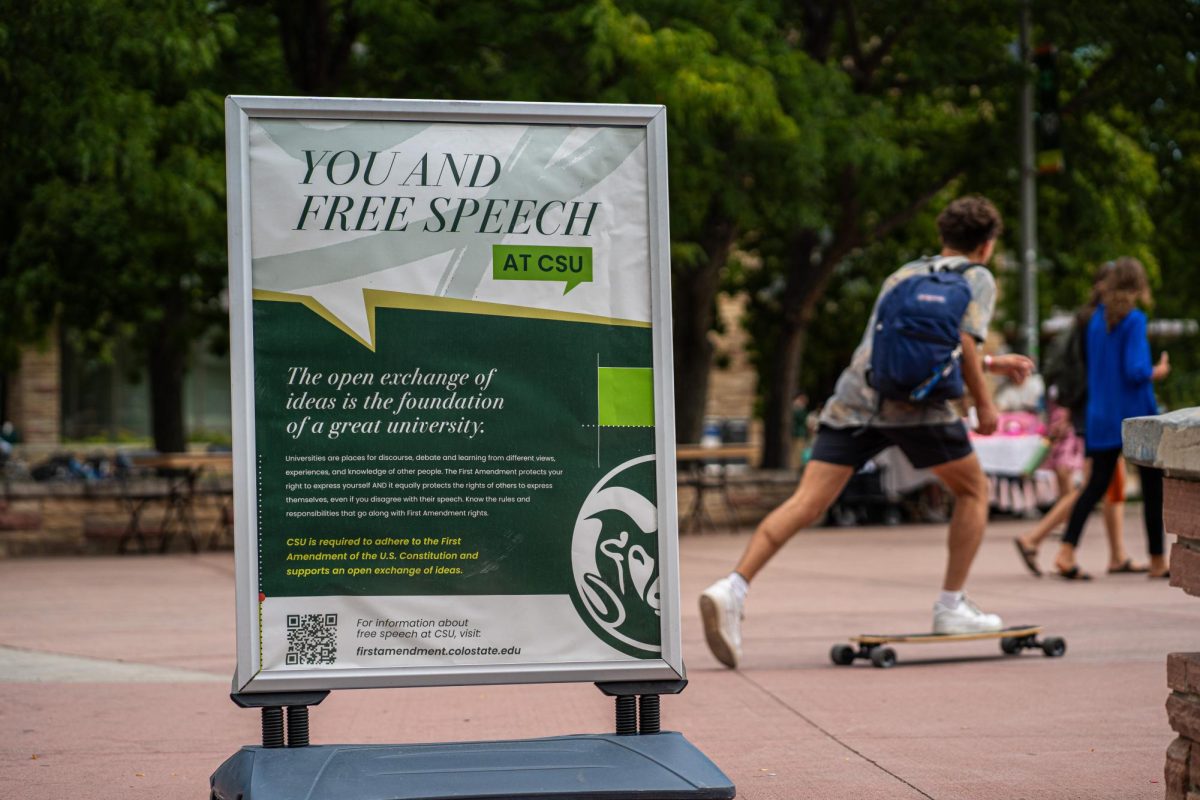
114 678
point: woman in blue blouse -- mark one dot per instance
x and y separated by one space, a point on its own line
1120 376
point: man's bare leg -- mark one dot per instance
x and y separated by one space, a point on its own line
953 612
966 481
820 485
721 603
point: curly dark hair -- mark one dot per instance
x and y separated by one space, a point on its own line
969 222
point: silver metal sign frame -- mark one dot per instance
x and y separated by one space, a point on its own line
239 110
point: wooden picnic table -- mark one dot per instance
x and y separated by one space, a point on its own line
694 462
185 462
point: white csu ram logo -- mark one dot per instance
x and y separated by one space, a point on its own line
614 558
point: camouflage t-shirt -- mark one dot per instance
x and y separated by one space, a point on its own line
855 404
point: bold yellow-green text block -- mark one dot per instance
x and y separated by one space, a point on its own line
626 396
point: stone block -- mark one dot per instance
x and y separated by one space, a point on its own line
1176 771
19 520
1170 442
1181 507
1185 567
1194 767
1183 672
1183 712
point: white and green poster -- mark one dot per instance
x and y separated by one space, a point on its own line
452 393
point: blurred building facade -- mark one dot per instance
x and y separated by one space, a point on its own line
57 395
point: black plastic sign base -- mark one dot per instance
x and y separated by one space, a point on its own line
662 766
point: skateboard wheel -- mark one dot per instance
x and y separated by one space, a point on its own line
883 657
842 655
1010 645
1054 646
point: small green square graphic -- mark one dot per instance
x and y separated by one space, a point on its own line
626 396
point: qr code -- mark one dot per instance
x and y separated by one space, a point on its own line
311 638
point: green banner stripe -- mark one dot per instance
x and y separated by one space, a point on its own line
376 298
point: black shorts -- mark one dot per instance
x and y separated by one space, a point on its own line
925 445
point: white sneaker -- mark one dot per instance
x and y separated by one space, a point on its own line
966 617
721 611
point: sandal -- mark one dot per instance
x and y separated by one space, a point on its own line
1074 574
1155 575
1128 566
1029 556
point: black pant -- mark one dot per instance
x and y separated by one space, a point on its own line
1104 464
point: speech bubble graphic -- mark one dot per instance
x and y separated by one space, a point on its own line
356 249
539 263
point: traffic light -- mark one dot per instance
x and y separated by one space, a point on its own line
1049 123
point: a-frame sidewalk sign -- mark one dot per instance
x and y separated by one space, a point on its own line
453 437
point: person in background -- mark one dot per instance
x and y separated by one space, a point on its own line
1120 376
1066 373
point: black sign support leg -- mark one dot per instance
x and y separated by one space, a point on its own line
297 726
272 727
648 714
272 705
638 706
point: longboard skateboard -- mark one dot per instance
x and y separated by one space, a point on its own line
873 646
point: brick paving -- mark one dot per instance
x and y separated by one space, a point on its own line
114 676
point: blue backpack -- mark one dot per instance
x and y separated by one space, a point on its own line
916 350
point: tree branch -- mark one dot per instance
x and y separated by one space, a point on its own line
905 215
866 67
818 29
852 31
806 280
351 26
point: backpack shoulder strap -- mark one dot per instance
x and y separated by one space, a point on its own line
961 268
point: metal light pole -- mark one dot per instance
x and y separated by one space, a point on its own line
1029 312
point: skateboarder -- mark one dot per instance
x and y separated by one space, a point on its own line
857 423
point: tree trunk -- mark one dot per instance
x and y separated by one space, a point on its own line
805 284
693 301
317 36
167 365
777 405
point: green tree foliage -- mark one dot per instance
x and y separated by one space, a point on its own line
711 65
811 142
709 62
113 184
933 115
922 93
1131 130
